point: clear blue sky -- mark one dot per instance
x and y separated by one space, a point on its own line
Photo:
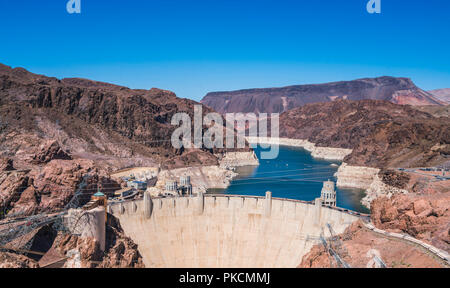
195 46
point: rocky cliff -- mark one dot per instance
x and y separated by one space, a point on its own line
380 134
53 132
93 120
425 217
360 245
441 94
278 100
326 153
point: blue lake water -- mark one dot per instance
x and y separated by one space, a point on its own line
295 174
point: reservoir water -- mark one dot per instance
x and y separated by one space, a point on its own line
295 174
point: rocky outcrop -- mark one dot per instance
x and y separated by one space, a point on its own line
379 133
376 182
51 187
238 159
278 100
11 260
79 252
360 245
378 188
112 125
11 187
85 252
425 217
28 203
394 178
56 131
355 176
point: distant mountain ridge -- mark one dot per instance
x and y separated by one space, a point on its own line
104 122
278 100
441 94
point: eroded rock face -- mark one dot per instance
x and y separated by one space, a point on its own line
79 251
120 251
56 131
425 217
395 179
50 151
10 260
381 134
6 164
11 187
110 124
28 203
51 187
57 182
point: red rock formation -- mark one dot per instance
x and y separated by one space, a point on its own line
360 244
99 121
28 203
425 217
380 133
59 130
6 165
121 251
10 260
395 178
11 187
87 248
50 150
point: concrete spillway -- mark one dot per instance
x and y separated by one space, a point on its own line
226 231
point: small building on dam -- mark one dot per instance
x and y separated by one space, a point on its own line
227 231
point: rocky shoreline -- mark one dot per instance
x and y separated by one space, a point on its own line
355 176
202 178
326 153
379 189
348 176
208 177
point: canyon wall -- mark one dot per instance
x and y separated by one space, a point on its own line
368 179
379 189
238 159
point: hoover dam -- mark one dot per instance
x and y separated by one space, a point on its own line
227 231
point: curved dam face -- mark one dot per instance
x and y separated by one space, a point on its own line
226 231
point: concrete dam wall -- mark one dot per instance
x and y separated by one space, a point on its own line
226 231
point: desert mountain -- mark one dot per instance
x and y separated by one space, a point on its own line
278 100
92 120
381 134
442 94
53 132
